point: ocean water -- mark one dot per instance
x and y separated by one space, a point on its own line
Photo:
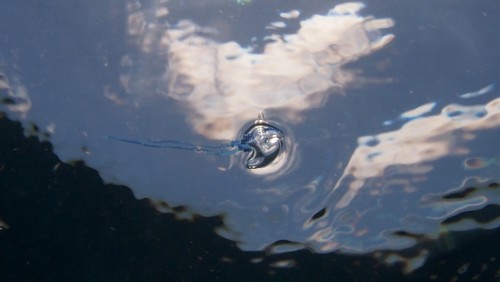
389 112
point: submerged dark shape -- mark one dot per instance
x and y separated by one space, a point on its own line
263 141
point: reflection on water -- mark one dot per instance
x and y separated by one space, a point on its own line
224 84
416 143
405 183
14 95
383 198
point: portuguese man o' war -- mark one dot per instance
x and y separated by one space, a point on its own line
343 205
354 184
263 142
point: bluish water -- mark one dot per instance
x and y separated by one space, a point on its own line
380 122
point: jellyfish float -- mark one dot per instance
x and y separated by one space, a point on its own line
329 168
262 141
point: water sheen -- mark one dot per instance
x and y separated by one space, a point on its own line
364 149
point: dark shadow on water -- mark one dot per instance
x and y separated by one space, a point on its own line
60 222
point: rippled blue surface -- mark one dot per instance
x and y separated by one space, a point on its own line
387 150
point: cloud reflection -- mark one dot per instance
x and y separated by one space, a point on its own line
224 84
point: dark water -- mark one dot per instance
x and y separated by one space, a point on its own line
369 190
60 223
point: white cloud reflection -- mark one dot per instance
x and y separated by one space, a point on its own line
418 141
224 84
